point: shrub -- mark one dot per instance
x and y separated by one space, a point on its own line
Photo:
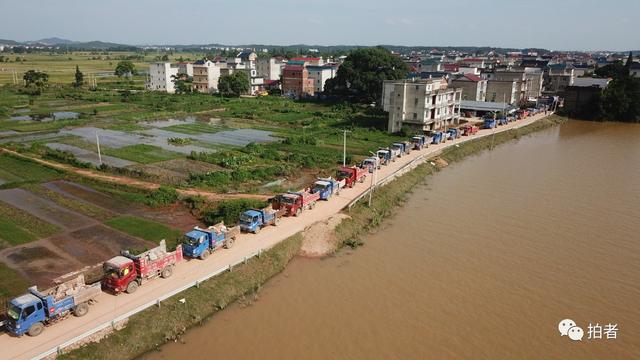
229 211
162 196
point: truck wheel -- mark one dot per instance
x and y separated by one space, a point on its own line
81 310
205 254
36 329
132 287
257 230
167 272
229 243
298 212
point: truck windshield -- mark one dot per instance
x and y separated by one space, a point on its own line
288 200
344 174
111 271
321 186
246 218
190 240
13 312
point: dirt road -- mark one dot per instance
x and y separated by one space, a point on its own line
109 307
140 184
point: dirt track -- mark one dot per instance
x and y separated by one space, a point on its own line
109 307
140 184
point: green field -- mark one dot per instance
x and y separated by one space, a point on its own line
146 229
143 154
18 227
194 129
19 170
11 284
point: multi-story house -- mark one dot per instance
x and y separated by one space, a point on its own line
270 68
321 74
205 76
473 87
421 104
185 68
296 82
557 79
160 77
535 81
502 91
522 82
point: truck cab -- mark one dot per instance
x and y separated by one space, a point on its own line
23 312
384 155
398 149
371 163
324 188
489 123
120 272
251 221
437 137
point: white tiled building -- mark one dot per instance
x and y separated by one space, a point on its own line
270 68
425 104
205 76
160 77
321 74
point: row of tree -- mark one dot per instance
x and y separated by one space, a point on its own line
620 101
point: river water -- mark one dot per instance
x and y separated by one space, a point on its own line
482 262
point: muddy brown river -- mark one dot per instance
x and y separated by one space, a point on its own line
483 262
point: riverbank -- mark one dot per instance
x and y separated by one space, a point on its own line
155 326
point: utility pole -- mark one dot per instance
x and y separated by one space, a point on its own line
344 147
98 144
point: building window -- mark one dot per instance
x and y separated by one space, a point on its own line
415 102
415 116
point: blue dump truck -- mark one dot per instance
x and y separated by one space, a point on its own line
31 312
385 156
253 220
327 187
502 120
200 243
419 142
453 133
437 137
489 123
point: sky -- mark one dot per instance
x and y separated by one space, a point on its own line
550 24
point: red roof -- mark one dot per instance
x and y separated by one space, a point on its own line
472 77
451 67
293 68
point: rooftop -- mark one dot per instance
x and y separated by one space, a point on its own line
484 105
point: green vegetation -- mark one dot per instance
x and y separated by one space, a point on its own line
142 153
125 68
178 141
24 171
79 78
361 75
194 129
234 84
162 196
12 284
146 229
157 325
36 79
18 226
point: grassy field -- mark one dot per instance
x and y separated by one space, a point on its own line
19 171
146 229
18 227
81 207
11 284
157 325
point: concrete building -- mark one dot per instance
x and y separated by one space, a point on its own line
270 68
315 61
424 104
519 76
185 68
296 82
502 91
473 87
160 77
557 80
205 76
321 74
535 82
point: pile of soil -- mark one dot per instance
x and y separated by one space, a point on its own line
319 238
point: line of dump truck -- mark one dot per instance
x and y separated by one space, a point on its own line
32 312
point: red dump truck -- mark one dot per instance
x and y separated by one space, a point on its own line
293 203
352 174
127 271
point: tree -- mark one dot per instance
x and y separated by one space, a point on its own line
79 78
234 84
125 68
37 79
182 83
165 57
361 75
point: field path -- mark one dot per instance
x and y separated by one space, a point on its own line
140 184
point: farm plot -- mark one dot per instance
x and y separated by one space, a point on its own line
177 170
90 156
39 264
91 196
44 209
97 243
146 229
237 137
14 170
18 227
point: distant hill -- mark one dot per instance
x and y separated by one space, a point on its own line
52 41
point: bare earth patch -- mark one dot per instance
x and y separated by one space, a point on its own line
320 239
